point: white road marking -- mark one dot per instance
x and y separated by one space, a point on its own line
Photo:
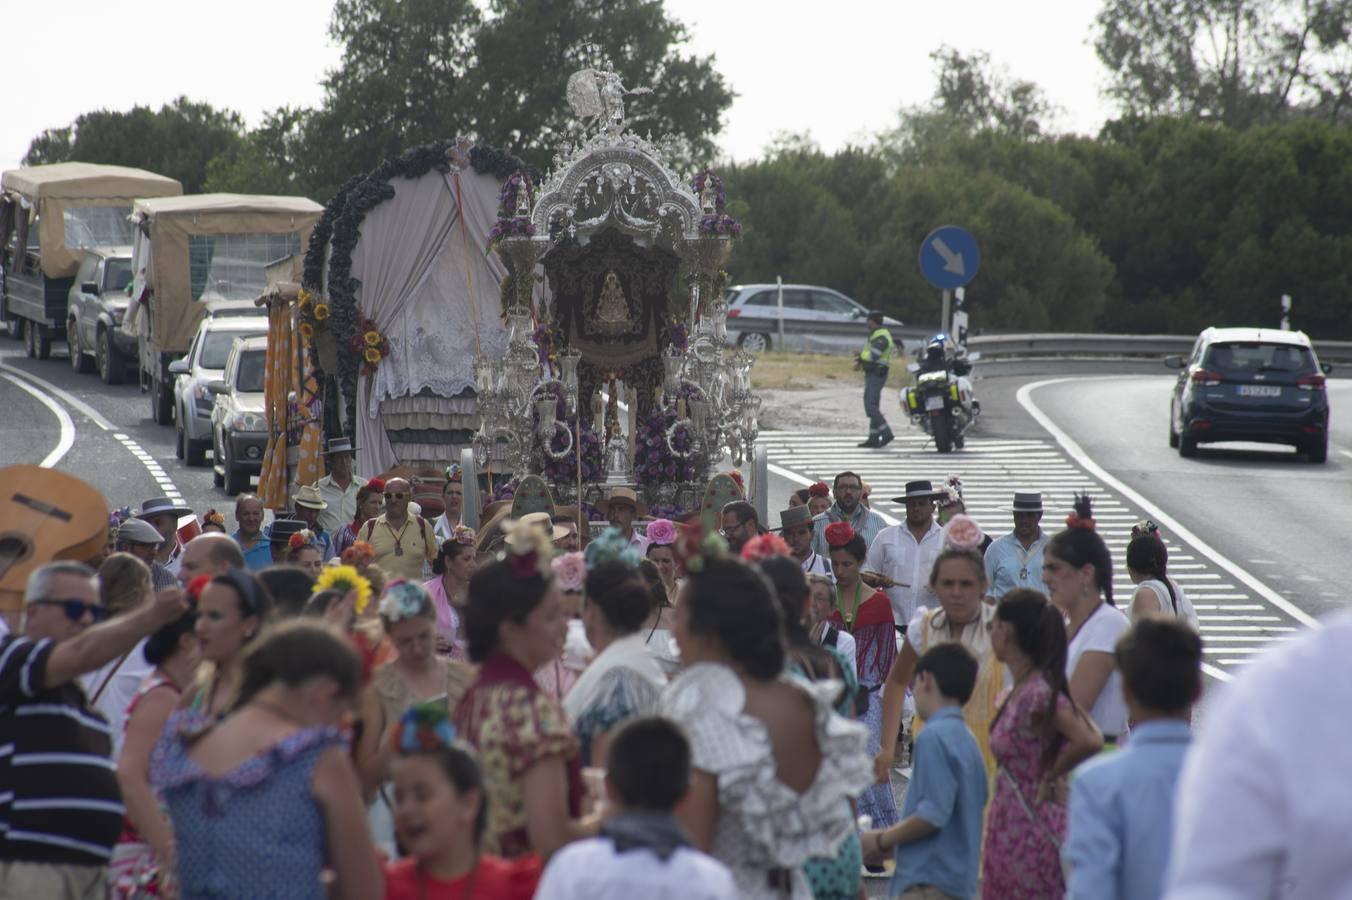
1347 453
67 438
1073 449
153 468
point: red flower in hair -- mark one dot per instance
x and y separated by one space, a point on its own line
377 485
1082 514
764 546
819 490
197 585
736 475
838 534
525 565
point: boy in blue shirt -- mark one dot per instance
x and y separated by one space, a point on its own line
938 840
1122 805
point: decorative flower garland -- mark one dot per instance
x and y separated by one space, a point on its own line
560 454
335 237
369 344
654 461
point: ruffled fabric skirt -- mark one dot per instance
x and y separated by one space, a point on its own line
878 802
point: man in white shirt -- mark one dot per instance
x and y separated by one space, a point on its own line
642 850
339 488
906 553
621 508
795 524
1264 802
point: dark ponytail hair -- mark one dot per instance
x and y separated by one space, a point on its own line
1040 634
163 643
790 585
296 651
1080 547
1147 554
621 594
855 546
497 595
447 552
732 603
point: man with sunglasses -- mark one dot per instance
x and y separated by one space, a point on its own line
64 812
402 542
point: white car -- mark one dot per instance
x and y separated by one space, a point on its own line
238 425
204 364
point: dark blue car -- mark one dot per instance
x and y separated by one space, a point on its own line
1250 384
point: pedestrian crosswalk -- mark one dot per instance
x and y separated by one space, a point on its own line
1236 623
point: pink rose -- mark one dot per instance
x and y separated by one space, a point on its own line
571 571
962 533
662 532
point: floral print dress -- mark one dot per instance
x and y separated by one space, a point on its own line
1020 859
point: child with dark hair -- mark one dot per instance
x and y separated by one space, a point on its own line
938 840
1122 805
642 850
440 814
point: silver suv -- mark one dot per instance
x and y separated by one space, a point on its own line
238 424
204 364
95 305
802 303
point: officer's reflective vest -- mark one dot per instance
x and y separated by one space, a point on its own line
884 359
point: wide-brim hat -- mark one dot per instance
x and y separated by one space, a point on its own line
139 531
919 490
309 497
338 445
280 531
793 517
158 506
623 495
1026 501
519 535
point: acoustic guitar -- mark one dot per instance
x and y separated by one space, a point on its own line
45 515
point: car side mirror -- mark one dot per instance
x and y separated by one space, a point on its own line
179 367
218 387
1326 368
857 314
1173 362
90 287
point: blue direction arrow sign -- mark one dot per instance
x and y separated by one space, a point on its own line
949 257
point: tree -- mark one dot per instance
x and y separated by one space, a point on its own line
262 162
178 141
1239 62
425 70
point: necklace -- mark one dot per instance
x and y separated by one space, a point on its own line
398 538
849 617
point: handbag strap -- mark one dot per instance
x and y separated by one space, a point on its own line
1023 801
109 677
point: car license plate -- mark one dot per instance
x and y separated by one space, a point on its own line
1259 390
933 402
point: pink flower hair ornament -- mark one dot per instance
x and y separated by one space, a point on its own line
661 532
571 571
962 533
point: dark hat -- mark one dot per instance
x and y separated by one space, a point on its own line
919 490
138 531
793 517
158 506
1026 501
875 314
339 445
280 531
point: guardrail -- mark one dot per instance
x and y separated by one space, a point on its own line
830 337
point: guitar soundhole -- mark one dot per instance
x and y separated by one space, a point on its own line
14 549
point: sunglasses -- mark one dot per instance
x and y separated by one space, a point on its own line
75 609
396 495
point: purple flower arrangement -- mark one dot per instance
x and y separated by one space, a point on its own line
544 340
662 511
509 223
720 225
679 336
560 466
654 463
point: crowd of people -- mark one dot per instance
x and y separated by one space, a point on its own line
355 701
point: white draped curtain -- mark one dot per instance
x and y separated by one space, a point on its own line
431 287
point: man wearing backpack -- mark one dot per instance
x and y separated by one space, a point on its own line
402 543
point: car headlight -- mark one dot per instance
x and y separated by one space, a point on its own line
244 420
200 392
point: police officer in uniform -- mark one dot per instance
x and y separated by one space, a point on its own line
875 360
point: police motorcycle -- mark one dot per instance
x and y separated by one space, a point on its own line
942 402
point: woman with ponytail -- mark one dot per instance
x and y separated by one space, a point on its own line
1078 572
265 802
1148 566
1038 736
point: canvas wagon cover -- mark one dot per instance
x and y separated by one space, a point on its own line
61 186
171 221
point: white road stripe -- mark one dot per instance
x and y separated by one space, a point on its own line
67 437
153 468
1025 398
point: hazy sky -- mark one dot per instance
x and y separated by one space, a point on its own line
838 70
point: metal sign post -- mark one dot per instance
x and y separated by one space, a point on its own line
1286 312
779 294
946 319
